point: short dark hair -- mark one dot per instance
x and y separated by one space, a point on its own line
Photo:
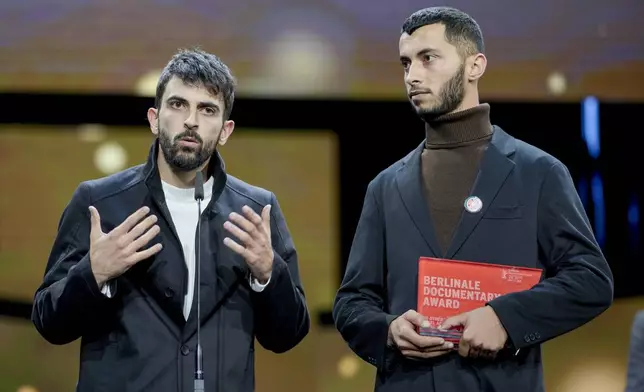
196 67
461 30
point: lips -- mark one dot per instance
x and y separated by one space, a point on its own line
188 143
417 92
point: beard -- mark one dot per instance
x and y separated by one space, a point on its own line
449 98
185 159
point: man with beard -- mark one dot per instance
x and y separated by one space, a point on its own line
469 192
121 275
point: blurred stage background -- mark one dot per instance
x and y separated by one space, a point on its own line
319 86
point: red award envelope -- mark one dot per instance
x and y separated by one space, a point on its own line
450 287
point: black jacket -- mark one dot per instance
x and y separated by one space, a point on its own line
531 217
138 340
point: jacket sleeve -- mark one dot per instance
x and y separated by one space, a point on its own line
578 284
360 303
69 296
281 316
635 375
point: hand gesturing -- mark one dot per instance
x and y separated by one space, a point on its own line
254 232
113 253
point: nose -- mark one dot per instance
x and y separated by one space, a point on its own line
191 121
413 76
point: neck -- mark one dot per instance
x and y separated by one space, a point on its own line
179 179
459 128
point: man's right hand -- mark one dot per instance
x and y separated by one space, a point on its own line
113 253
403 335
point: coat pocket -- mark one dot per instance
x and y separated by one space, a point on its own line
504 212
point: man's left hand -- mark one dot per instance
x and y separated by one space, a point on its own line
254 232
483 335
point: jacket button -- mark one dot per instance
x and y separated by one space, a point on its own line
536 334
185 350
168 293
532 336
526 338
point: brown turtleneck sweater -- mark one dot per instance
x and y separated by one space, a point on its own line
450 162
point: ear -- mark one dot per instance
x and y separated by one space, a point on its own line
477 64
226 131
153 119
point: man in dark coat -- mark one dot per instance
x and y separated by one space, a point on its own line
122 272
468 192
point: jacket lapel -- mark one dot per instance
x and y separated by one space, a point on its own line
168 271
410 186
494 169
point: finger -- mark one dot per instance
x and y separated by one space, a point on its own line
442 347
463 349
244 224
142 240
130 221
239 233
402 345
426 342
433 344
139 229
252 216
144 254
414 338
411 353
235 247
416 319
401 340
454 321
266 218
95 230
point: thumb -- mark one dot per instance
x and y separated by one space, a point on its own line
266 217
95 219
417 319
454 321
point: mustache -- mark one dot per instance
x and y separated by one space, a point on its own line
189 135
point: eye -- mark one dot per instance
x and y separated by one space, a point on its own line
427 58
405 64
176 104
209 111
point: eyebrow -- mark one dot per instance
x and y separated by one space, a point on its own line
202 104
